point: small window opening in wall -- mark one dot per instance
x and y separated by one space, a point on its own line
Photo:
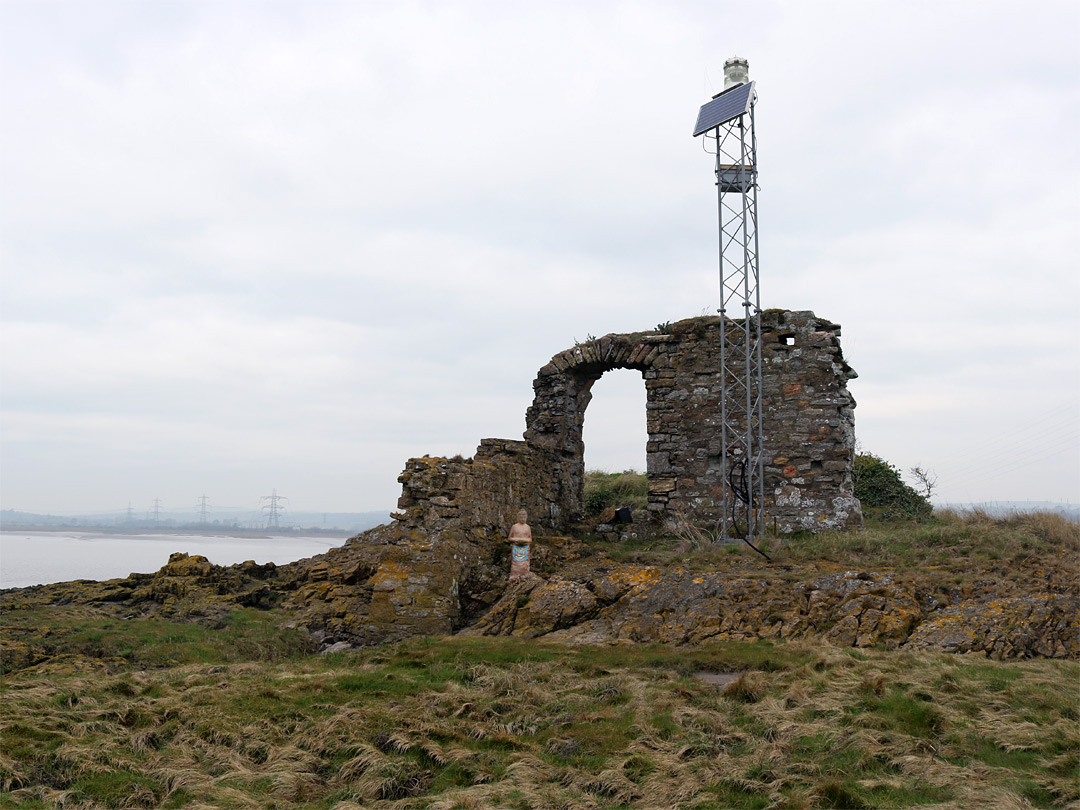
815 465
787 340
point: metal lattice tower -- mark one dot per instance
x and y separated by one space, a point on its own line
274 511
203 510
727 122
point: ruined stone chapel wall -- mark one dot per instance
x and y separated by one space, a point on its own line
808 427
808 419
481 495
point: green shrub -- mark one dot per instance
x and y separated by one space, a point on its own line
878 485
603 489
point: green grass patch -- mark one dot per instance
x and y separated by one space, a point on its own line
918 794
991 753
992 678
1037 794
245 634
736 795
842 793
118 788
901 712
377 684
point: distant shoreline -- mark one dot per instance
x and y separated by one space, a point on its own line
35 556
250 534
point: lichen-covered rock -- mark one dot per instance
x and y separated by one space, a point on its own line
556 604
531 607
383 585
502 618
186 565
398 581
178 578
1014 627
864 608
187 588
16 654
845 608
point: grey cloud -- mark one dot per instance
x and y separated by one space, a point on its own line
260 239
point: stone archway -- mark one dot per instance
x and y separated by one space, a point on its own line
563 389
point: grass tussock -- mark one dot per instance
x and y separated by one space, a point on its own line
507 723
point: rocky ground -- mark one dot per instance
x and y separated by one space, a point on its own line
1008 591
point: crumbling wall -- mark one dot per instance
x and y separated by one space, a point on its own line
444 559
481 495
808 424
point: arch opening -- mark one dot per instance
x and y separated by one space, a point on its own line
614 438
614 433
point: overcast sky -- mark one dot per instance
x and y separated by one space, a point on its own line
258 245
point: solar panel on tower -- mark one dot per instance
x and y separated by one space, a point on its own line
732 103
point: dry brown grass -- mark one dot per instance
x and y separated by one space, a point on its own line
433 727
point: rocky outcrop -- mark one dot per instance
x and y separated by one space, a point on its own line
1013 627
846 608
396 581
187 587
383 585
386 584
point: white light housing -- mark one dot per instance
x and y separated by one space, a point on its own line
736 71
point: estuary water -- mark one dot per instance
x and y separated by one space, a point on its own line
37 558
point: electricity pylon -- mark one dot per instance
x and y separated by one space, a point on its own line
274 511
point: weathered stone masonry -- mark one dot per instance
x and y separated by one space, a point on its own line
478 495
808 427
